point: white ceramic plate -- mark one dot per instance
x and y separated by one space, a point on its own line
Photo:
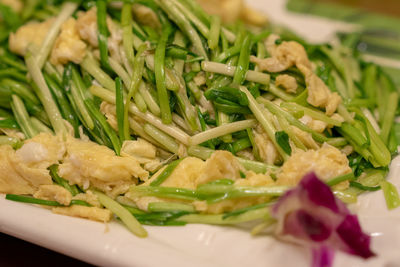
203 245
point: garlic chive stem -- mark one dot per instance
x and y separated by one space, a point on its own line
45 96
252 76
22 117
162 138
66 11
126 217
265 123
221 130
171 130
92 67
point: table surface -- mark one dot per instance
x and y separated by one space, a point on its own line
12 250
11 247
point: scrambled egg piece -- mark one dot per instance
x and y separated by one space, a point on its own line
91 213
68 45
88 163
290 54
54 193
11 181
87 28
327 162
146 16
231 10
283 56
31 33
316 125
267 150
89 197
16 5
43 150
221 164
255 179
144 152
140 148
24 170
286 81
186 174
319 94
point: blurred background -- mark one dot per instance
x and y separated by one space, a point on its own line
388 7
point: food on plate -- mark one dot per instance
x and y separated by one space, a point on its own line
160 114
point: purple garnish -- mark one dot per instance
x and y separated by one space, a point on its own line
311 215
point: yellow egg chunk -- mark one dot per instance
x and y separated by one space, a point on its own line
24 170
54 193
68 46
91 213
32 33
327 162
89 164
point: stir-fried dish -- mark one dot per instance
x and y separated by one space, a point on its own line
158 113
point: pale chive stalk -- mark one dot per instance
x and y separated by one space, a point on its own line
292 120
49 69
120 71
315 114
67 10
188 110
171 130
22 117
159 69
286 127
342 110
221 130
40 126
126 217
137 128
391 195
265 123
90 65
179 18
139 101
78 97
169 206
223 119
21 90
148 98
178 120
218 219
203 29
243 63
103 33
390 112
279 93
45 95
127 34
122 120
227 53
215 29
252 76
162 138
